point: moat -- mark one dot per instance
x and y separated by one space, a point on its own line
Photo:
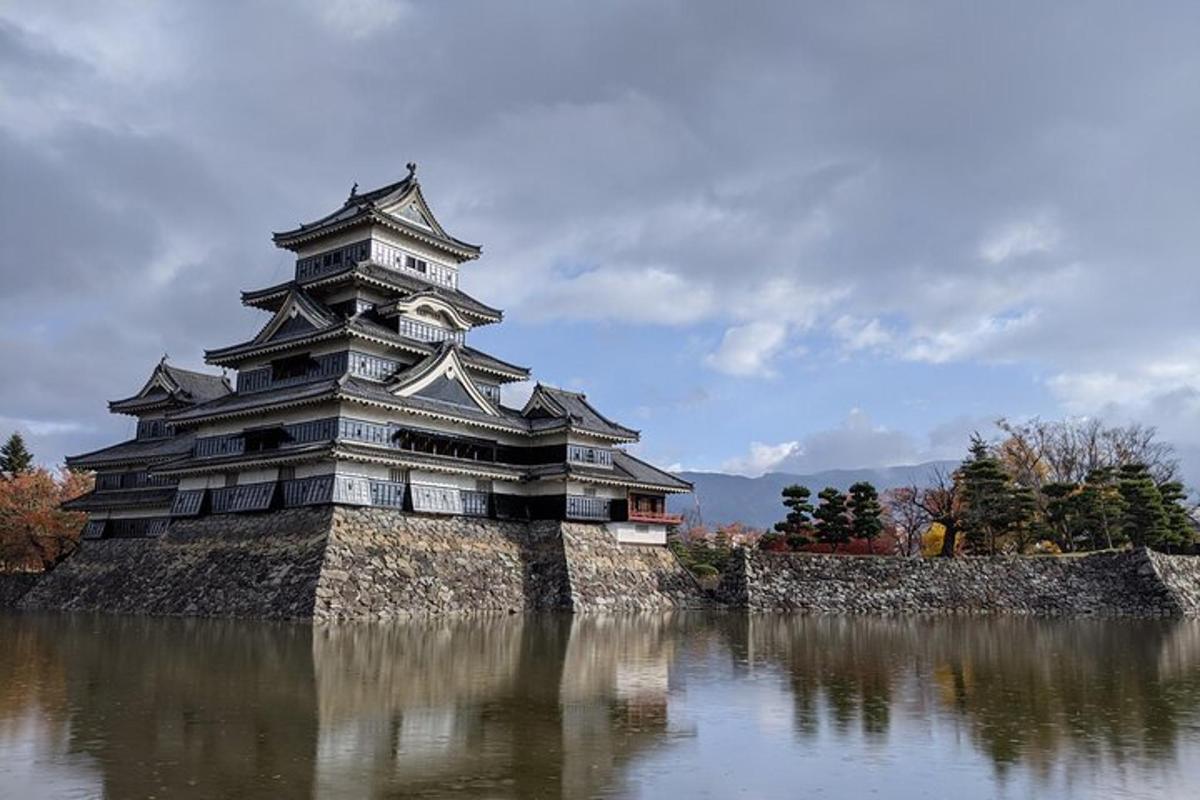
725 705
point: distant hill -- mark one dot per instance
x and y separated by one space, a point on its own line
723 498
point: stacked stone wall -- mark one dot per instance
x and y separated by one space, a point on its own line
1128 583
14 586
381 564
605 575
260 565
358 563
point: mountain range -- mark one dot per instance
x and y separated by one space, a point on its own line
720 498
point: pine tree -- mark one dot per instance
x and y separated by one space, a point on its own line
1145 523
1179 522
1102 508
866 513
995 505
833 526
15 459
797 527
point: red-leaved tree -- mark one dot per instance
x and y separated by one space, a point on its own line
35 533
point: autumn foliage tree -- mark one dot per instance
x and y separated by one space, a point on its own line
35 533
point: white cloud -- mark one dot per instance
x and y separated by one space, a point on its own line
746 350
1022 238
761 458
361 18
651 295
858 335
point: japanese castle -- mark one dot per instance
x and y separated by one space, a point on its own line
361 390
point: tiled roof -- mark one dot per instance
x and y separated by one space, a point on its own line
237 404
379 274
572 410
367 327
169 385
625 469
134 451
200 387
122 498
368 206
375 393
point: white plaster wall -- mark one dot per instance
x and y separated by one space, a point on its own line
638 533
611 492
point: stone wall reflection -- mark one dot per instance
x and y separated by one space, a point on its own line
1040 693
548 706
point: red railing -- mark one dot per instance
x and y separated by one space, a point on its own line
655 517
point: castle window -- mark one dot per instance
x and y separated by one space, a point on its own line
416 264
292 367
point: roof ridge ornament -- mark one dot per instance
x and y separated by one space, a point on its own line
412 170
353 192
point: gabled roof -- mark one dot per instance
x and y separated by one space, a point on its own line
298 315
549 408
379 277
400 206
442 378
169 387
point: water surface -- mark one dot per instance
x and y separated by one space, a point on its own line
721 706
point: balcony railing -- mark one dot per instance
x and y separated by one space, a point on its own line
475 504
585 507
655 517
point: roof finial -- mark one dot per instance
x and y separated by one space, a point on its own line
412 170
354 190
163 360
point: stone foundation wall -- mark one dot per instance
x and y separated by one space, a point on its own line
1129 583
604 575
381 564
339 563
263 565
14 586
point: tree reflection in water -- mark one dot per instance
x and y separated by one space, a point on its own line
555 706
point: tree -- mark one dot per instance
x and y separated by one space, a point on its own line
866 521
1145 523
797 528
937 505
911 521
35 533
833 526
15 459
1179 520
1102 508
1067 451
995 507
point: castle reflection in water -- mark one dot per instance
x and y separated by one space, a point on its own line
592 706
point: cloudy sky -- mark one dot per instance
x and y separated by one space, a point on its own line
768 235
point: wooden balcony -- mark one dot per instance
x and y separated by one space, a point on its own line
655 517
651 509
